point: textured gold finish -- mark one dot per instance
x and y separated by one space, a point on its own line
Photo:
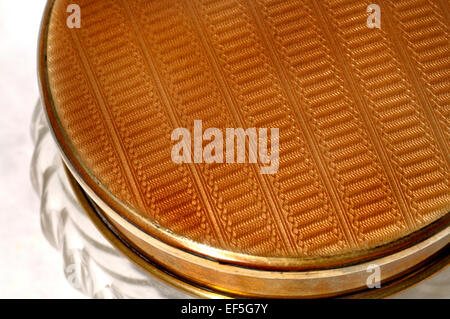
363 116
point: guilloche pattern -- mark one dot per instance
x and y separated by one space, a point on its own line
424 30
399 114
362 113
258 95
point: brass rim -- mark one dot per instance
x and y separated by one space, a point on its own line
402 281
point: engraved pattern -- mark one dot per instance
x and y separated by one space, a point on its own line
333 116
150 168
239 204
362 162
80 115
260 99
424 26
399 118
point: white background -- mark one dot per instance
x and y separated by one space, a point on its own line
29 266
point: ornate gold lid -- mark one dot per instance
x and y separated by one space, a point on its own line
362 113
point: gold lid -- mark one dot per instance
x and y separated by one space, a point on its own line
362 112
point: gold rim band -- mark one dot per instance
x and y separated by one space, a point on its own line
209 278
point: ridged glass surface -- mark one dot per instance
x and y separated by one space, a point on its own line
89 262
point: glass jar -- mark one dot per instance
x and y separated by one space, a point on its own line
91 264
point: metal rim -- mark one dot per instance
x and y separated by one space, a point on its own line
402 280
